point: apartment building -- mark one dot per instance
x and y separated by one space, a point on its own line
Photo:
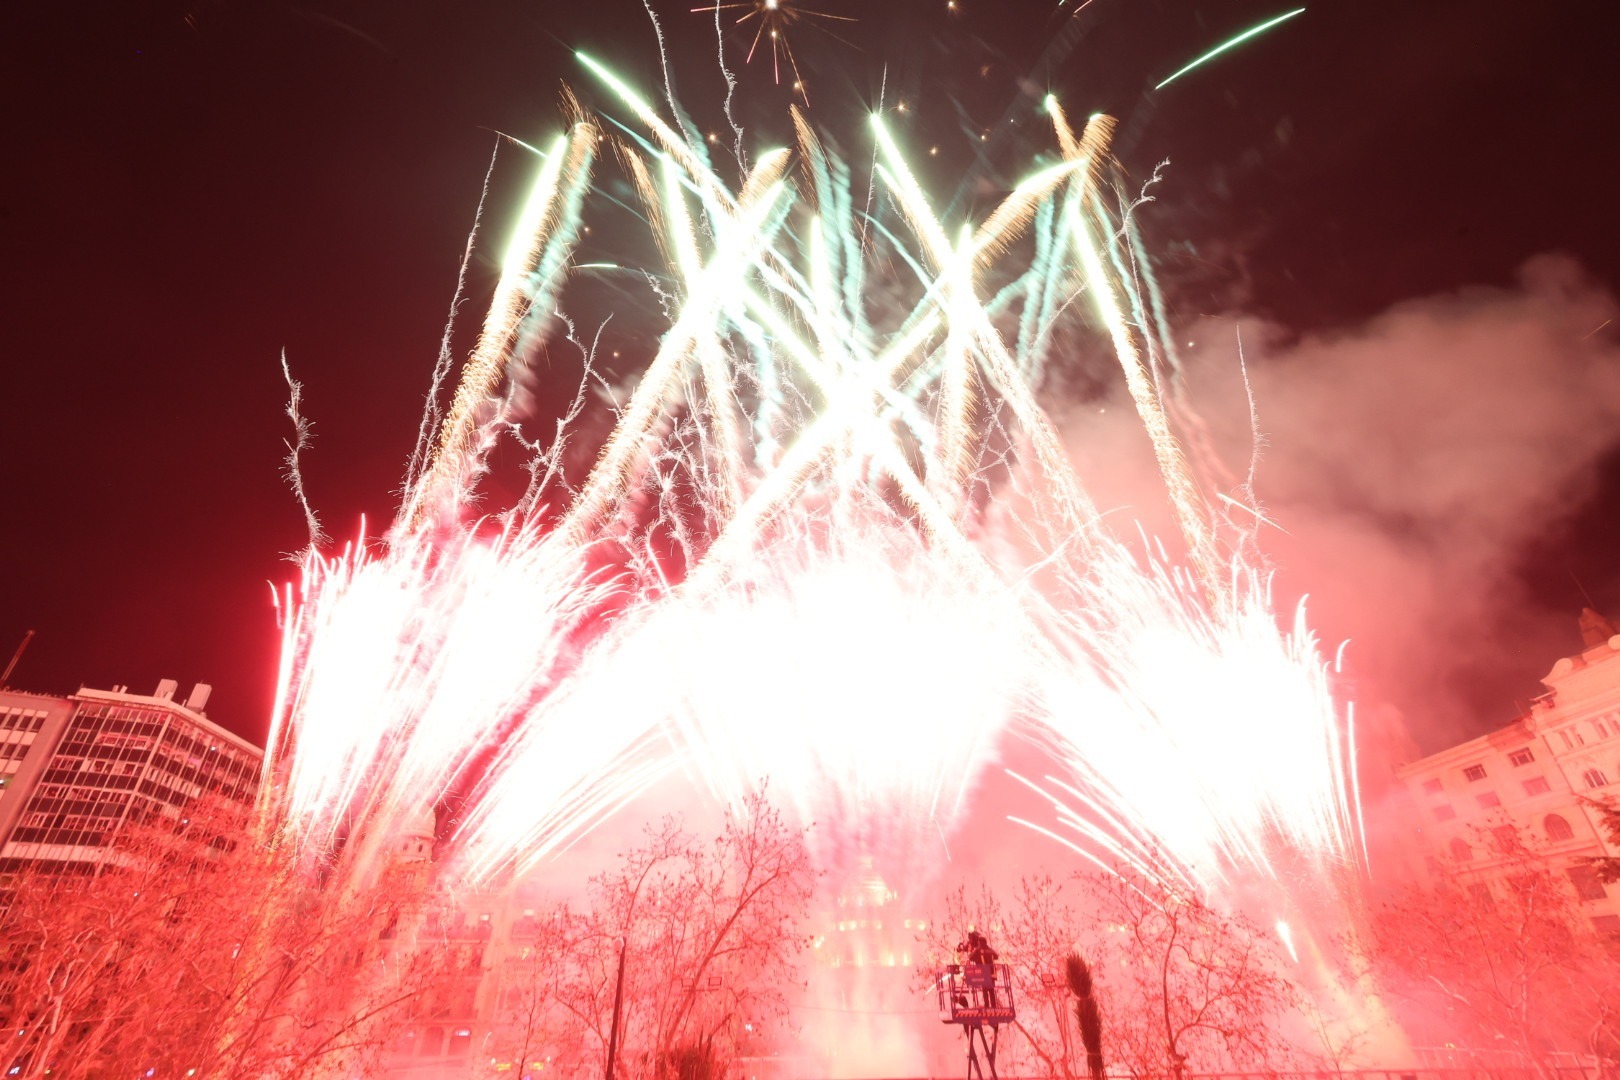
1532 781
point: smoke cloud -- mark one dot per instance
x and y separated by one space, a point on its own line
1408 464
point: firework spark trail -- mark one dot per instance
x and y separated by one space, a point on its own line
1230 43
708 292
839 626
1137 714
408 662
302 434
432 416
546 232
1191 513
852 385
1066 508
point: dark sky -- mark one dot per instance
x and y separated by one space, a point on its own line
187 190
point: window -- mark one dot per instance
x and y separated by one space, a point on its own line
1489 799
1602 728
1474 772
1431 787
1444 813
1482 895
1606 924
1537 785
1461 851
1594 778
1557 828
1506 837
1522 756
1587 883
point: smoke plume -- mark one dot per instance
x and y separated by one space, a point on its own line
1409 464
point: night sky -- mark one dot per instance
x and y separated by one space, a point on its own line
188 190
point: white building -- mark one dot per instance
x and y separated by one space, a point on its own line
1527 782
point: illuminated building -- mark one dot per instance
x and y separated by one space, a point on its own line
867 929
862 1002
1527 783
76 769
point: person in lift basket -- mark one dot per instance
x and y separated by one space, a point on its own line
979 975
976 950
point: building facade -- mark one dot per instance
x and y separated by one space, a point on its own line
76 770
1531 783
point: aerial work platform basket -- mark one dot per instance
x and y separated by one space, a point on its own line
975 997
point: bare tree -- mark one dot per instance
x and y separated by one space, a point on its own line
529 983
1182 983
1507 960
193 951
324 975
101 957
710 935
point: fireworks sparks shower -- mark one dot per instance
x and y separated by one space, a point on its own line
770 21
831 542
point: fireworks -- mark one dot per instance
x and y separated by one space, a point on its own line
1200 708
772 19
848 554
1230 43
